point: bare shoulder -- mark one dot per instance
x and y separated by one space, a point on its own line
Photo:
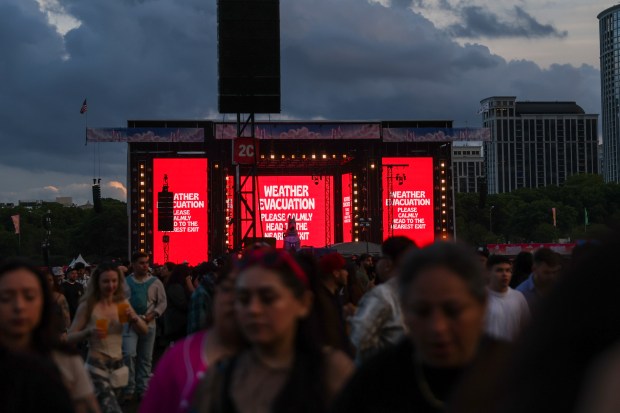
338 369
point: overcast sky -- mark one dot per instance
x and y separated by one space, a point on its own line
341 59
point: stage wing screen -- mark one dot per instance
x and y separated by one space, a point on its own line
408 199
187 180
347 208
307 198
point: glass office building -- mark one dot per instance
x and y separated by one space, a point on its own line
535 144
609 36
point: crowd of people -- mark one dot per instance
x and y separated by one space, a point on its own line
445 327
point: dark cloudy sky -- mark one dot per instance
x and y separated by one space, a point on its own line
341 59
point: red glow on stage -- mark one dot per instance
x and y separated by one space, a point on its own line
408 199
347 207
304 197
187 179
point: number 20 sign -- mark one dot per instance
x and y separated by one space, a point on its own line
245 151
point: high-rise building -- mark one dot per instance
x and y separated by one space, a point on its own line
535 144
609 36
468 169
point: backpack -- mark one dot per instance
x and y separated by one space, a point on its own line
139 294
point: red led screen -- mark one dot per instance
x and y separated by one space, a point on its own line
187 180
408 199
306 198
347 208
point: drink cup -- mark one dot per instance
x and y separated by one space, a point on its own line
102 325
122 312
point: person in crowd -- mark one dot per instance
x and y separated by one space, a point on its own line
521 268
378 321
161 342
177 297
545 271
483 255
165 271
148 298
171 389
27 326
200 314
82 277
283 370
61 307
328 302
364 271
72 290
507 311
567 359
59 278
354 291
443 294
99 319
383 269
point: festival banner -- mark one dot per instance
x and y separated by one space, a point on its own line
145 135
514 249
15 219
436 134
305 131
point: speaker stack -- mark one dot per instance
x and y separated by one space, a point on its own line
248 56
165 210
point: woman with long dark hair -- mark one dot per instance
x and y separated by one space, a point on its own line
283 369
443 298
61 307
27 325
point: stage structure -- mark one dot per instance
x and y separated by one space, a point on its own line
323 182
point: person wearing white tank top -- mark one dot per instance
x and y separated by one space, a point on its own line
99 319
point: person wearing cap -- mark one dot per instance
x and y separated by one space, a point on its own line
329 301
483 255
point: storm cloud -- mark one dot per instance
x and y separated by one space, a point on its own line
478 22
157 59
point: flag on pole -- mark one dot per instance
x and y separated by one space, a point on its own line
15 219
585 215
84 107
553 211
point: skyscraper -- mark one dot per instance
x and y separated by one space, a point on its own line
468 171
535 144
609 35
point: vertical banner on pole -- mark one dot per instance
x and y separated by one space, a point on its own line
15 219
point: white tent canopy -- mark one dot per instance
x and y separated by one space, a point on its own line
357 248
79 259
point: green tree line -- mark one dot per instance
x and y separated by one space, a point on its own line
525 215
97 236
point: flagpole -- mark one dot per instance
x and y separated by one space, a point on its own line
86 125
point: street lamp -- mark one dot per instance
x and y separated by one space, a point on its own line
491 218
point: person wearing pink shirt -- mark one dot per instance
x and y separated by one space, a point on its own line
171 389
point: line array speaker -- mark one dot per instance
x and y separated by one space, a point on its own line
248 56
165 211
